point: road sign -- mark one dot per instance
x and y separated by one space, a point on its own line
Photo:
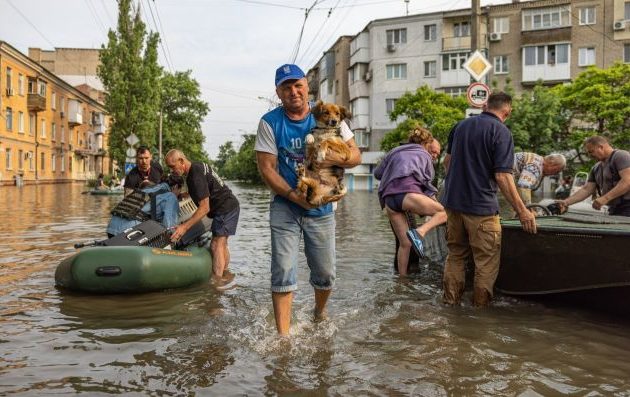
132 139
477 94
477 65
131 152
472 112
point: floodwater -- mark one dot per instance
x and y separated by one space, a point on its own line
385 337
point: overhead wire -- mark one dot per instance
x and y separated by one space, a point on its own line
319 31
97 19
168 50
296 49
166 58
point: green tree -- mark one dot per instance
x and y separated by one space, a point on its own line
131 75
226 151
183 111
538 122
242 166
436 111
600 97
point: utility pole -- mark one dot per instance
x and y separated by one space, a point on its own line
475 42
160 140
407 6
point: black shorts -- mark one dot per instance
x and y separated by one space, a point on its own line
225 224
395 201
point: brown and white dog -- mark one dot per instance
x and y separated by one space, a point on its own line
324 185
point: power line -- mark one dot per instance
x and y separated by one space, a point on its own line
166 58
97 19
299 40
319 31
163 32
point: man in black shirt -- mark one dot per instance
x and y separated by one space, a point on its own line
213 199
145 170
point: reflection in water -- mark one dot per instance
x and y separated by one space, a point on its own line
386 336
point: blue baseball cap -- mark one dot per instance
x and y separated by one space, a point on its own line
288 72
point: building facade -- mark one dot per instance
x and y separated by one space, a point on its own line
50 131
551 41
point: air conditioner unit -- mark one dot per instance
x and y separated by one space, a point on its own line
619 25
368 129
61 114
367 76
9 91
495 36
28 155
391 47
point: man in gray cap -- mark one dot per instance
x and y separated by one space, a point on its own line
280 145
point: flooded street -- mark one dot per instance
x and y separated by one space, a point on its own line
385 337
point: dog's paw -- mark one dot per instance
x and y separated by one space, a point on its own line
310 139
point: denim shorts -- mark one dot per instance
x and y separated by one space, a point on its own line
225 224
287 228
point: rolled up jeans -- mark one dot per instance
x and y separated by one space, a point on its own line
287 228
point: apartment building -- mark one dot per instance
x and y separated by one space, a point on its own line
551 41
50 131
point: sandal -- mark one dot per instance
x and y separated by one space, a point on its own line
416 242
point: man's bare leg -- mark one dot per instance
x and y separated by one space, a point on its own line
321 297
282 302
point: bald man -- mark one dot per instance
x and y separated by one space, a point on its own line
215 200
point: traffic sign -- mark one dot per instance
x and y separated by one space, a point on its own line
477 94
129 167
472 112
132 139
477 65
131 152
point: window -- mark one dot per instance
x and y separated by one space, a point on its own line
397 71
42 88
546 18
501 64
31 86
21 84
396 36
9 74
454 61
455 91
63 163
42 159
8 159
70 163
390 104
430 32
587 16
9 119
31 163
586 56
626 53
501 25
53 101
20 159
430 68
53 162
626 10
461 29
62 104
362 138
21 122
53 131
43 131
63 134
32 124
555 53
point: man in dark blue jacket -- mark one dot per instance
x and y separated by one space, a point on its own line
480 157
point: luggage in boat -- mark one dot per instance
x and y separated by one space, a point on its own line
148 233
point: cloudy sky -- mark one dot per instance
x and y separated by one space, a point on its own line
232 46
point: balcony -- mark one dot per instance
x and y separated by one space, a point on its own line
358 89
550 73
460 43
36 102
454 78
75 115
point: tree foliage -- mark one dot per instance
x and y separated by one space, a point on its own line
131 76
242 164
601 98
226 151
183 111
436 111
538 122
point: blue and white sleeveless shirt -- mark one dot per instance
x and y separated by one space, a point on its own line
285 138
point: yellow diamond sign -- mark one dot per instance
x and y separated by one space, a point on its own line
477 65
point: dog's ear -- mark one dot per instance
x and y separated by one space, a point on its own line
317 109
345 113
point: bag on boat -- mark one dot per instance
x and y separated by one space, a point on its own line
149 234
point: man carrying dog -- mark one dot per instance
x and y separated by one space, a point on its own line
610 178
280 145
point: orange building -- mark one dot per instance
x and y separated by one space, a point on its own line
50 131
